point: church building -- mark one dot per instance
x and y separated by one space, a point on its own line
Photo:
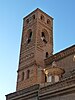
41 74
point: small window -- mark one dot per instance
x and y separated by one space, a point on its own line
28 74
30 36
22 76
33 16
43 37
27 21
46 54
45 78
42 17
48 21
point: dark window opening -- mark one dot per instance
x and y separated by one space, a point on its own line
28 74
45 78
27 21
29 38
43 37
30 35
45 40
33 16
48 21
47 55
43 34
22 76
42 17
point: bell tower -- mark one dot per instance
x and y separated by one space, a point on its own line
36 45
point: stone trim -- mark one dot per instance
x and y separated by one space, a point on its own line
30 90
65 86
58 93
65 83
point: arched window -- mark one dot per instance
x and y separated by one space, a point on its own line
22 76
33 16
43 34
48 21
43 37
28 74
29 36
27 21
42 18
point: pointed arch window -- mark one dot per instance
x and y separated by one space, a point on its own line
30 36
43 37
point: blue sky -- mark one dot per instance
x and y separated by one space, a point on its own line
11 18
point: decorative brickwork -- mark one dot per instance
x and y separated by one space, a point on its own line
60 55
37 40
37 63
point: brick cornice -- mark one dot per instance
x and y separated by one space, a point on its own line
35 11
60 55
26 66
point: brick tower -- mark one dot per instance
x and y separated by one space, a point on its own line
36 45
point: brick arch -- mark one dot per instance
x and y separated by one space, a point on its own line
29 35
48 22
45 32
42 17
28 31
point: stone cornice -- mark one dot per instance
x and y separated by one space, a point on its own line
58 88
31 90
60 55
